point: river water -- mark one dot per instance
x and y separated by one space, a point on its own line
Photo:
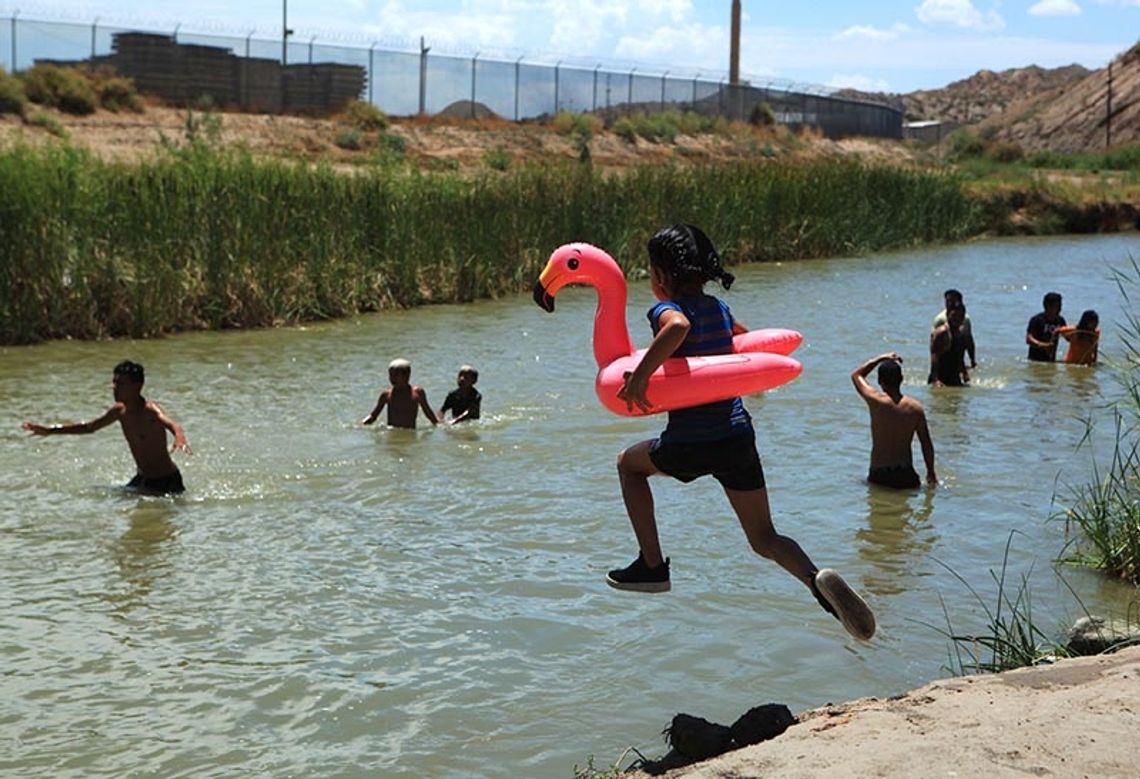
339 601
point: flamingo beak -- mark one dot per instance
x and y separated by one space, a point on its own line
544 299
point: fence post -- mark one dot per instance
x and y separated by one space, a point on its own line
694 103
595 105
423 75
517 68
556 66
14 15
371 74
663 77
245 73
473 60
629 96
94 27
311 50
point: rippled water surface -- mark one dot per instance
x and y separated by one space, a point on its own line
332 600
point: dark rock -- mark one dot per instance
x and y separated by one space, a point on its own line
761 723
696 738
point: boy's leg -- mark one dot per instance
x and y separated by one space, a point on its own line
634 470
751 507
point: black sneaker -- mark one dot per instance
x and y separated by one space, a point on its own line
843 603
639 577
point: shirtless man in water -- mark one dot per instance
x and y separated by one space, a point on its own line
403 398
144 425
895 420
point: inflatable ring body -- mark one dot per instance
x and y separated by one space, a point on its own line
759 360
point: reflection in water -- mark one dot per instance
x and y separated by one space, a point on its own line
898 535
141 553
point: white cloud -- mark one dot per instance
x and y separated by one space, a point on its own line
859 82
1055 8
874 33
958 13
694 46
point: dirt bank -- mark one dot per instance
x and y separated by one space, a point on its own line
1076 718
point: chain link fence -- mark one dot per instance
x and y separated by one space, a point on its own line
306 75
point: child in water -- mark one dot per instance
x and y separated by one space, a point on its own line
464 401
403 398
1083 339
144 425
715 438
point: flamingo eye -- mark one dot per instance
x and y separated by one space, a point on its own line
572 263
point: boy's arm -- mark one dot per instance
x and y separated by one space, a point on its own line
927 448
859 375
380 403
426 406
77 428
674 326
180 442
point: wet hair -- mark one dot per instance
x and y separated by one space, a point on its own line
890 373
400 364
132 370
1089 320
1050 298
952 293
688 256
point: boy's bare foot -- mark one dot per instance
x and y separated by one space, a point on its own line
843 603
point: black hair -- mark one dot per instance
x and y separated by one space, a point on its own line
1089 320
953 292
132 370
1050 297
688 256
890 373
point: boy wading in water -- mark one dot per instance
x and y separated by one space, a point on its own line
895 420
144 425
403 399
715 438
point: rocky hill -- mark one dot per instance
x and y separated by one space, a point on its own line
987 93
1063 109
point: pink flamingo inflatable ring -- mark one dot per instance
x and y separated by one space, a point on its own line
759 361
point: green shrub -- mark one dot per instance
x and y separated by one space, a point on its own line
117 93
625 129
67 89
12 97
963 144
497 158
762 115
48 122
582 125
1004 151
350 140
365 116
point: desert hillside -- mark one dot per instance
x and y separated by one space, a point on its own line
1063 109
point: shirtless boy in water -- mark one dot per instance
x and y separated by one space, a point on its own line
895 420
403 398
144 425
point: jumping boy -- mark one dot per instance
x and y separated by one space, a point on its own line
403 398
464 401
144 425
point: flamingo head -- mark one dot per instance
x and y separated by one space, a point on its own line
575 263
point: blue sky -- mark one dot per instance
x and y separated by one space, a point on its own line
890 45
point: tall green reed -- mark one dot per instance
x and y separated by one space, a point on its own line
1106 510
199 238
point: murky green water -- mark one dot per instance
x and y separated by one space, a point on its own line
337 601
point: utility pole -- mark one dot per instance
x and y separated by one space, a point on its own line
734 46
1108 111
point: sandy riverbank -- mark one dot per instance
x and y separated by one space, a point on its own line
1075 718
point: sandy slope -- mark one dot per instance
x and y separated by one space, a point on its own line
1076 718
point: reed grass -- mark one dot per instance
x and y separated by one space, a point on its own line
1011 639
1106 511
200 238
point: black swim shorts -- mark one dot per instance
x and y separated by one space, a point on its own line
900 477
733 461
171 484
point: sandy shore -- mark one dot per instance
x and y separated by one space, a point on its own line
1075 718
